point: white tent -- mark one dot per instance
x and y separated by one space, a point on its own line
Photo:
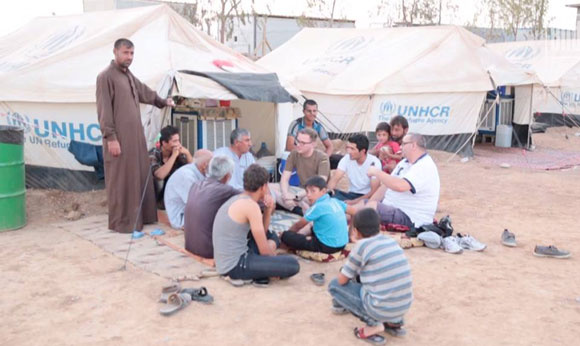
48 71
557 64
437 77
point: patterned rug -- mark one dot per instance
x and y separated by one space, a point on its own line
162 255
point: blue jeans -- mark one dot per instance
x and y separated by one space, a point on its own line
252 265
348 296
346 196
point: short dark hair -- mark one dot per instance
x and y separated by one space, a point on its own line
255 177
315 181
167 132
123 42
383 126
401 121
367 222
361 141
309 103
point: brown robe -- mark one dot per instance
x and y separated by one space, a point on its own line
118 96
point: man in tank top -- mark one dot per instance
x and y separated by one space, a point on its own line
244 249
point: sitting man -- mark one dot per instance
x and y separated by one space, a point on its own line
411 192
167 159
308 162
204 199
355 164
180 182
239 151
244 249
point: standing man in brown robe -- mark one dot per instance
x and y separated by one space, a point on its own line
124 147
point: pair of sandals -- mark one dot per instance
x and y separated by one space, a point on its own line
176 298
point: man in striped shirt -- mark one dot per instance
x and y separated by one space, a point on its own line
383 294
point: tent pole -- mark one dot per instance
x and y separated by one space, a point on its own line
531 120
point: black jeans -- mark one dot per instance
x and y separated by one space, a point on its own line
299 241
252 265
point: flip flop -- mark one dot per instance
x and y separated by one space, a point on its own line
374 339
168 290
175 302
198 294
318 279
395 329
158 231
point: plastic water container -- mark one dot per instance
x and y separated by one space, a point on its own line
503 136
294 179
269 163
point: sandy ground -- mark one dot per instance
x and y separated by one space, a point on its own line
59 289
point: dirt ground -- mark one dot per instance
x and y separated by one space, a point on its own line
59 289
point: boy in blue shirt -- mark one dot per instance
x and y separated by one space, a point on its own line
329 232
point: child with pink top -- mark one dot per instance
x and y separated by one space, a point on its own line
387 150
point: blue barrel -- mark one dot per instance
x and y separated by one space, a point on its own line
12 178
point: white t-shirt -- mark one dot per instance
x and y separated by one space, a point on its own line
420 203
357 174
177 190
240 165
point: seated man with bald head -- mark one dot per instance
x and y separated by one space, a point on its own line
411 192
179 183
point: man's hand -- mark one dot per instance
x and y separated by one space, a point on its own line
373 171
169 102
183 150
176 151
114 148
269 202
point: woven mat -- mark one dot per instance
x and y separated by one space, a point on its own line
153 254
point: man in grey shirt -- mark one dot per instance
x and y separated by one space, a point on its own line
204 200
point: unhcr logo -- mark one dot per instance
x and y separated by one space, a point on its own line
522 53
415 113
570 98
349 46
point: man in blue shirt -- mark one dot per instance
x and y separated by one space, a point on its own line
329 232
178 185
239 151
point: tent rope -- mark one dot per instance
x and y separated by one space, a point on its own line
472 136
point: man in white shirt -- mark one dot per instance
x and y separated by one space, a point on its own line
411 192
355 164
179 183
239 151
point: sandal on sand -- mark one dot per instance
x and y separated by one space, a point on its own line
374 339
199 294
395 329
175 302
317 278
168 290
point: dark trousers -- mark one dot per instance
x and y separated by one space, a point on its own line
299 241
253 266
346 196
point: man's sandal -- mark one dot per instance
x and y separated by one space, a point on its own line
374 339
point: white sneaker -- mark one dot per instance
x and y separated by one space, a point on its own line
431 239
469 243
451 245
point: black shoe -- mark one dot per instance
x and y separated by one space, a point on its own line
298 211
445 225
265 282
